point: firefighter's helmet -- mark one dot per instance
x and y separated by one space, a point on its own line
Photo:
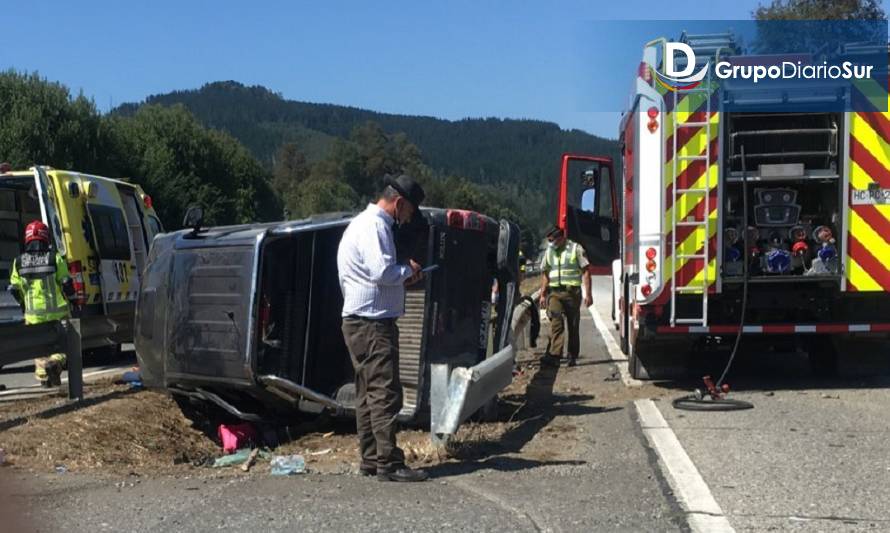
36 231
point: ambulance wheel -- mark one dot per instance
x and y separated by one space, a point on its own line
822 354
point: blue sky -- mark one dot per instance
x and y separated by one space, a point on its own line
450 59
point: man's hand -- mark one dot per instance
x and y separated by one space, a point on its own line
417 275
542 301
588 300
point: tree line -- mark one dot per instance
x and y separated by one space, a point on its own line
179 161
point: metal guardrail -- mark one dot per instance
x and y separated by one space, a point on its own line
456 393
21 342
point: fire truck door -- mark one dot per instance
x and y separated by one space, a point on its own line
589 208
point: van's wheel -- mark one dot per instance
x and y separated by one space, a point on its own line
822 354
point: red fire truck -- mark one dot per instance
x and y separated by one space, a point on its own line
789 206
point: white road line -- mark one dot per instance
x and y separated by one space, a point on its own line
36 389
703 512
613 349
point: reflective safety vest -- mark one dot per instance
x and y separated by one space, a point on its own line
38 276
564 268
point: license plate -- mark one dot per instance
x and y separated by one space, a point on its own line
870 197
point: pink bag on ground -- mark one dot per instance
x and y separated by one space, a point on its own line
236 436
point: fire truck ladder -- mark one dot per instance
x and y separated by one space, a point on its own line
710 48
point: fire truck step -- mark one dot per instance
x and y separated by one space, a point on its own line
692 223
694 191
698 321
692 124
691 256
692 157
690 288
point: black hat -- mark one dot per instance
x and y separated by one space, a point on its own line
554 232
407 187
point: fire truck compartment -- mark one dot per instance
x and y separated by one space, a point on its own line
793 168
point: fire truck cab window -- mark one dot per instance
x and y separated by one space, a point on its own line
588 200
605 193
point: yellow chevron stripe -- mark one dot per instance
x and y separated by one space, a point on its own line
875 93
687 202
861 279
877 146
691 245
699 279
694 146
859 178
869 238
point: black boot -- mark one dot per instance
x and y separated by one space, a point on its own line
403 474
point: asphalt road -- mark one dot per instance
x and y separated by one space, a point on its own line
811 456
21 375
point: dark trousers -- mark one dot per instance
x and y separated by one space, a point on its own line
564 305
374 348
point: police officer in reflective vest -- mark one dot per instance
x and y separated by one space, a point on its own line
563 269
40 280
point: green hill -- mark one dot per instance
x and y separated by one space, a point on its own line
484 150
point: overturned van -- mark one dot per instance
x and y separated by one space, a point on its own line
247 318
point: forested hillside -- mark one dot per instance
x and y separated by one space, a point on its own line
500 163
246 154
484 150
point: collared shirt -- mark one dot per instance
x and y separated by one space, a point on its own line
370 279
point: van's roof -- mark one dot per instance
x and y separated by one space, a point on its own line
244 234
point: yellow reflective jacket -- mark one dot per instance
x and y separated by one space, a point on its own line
38 276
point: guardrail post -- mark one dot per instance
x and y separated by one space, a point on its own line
71 342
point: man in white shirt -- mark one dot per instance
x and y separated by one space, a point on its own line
373 286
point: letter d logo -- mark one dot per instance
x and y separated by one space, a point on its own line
669 52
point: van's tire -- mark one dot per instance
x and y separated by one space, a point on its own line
823 356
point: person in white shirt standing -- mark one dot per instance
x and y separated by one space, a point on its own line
373 286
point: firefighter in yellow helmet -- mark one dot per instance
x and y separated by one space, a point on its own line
563 269
40 280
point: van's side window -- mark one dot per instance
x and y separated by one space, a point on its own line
111 232
154 225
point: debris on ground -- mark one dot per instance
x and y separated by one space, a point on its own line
236 436
288 465
251 459
118 430
241 457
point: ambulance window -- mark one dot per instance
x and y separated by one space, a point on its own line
7 201
111 232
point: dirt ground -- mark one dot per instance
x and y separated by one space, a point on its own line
121 431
